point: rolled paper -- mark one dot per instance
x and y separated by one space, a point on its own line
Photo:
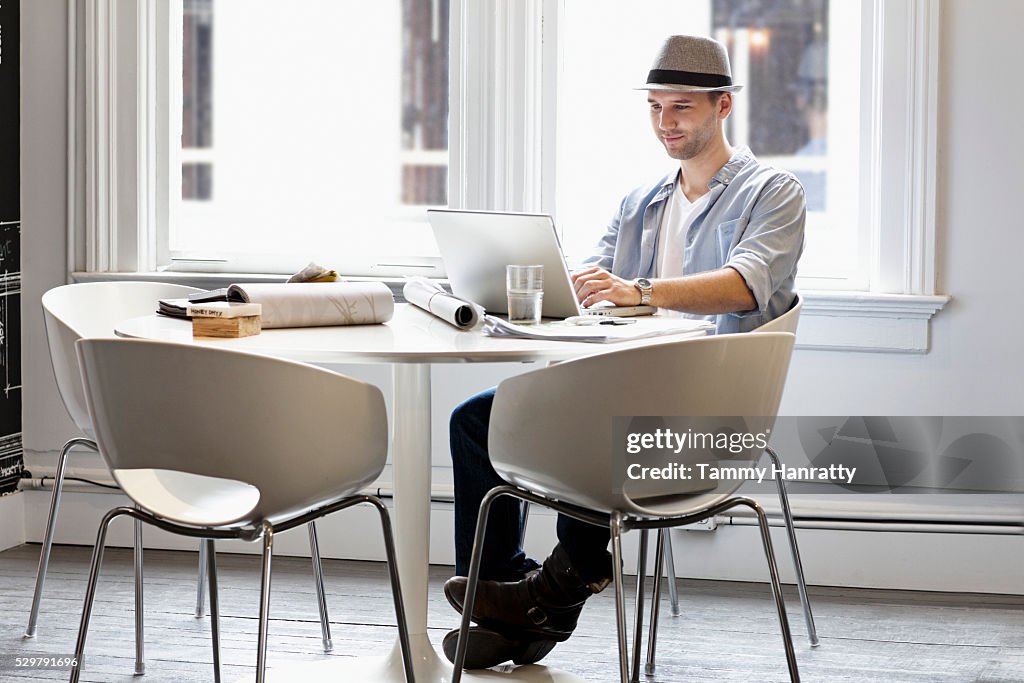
309 304
431 297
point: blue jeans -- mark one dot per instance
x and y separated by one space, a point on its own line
503 558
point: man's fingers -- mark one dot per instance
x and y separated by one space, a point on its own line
596 297
586 271
587 284
585 288
599 292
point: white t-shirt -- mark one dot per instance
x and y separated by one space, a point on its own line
679 214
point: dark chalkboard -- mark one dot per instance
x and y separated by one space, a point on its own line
11 462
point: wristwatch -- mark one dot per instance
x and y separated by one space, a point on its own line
646 288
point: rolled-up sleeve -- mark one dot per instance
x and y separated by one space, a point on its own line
767 252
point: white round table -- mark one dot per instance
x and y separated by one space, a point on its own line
411 341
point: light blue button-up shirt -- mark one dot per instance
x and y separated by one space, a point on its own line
752 222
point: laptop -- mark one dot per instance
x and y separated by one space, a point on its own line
477 245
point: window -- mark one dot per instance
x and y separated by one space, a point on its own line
799 110
317 130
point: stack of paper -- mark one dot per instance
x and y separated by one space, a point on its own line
598 333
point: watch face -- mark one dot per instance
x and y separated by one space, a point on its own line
644 285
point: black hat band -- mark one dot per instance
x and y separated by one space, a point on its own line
694 78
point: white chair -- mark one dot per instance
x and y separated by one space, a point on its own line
787 322
72 312
551 437
78 311
219 444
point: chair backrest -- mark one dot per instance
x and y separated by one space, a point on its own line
73 312
788 321
300 434
551 429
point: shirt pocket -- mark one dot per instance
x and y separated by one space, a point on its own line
726 231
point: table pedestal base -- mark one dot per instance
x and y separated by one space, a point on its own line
430 668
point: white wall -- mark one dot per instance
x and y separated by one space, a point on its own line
975 363
974 367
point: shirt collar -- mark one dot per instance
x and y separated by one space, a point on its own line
668 184
740 156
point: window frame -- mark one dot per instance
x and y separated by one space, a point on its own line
502 123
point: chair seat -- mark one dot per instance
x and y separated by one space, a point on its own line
186 498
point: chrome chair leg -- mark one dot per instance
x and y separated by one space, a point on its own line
801 583
318 579
261 645
140 639
670 567
211 558
641 577
652 634
90 592
201 582
620 595
780 604
51 523
524 516
396 591
475 560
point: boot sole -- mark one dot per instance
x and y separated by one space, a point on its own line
489 648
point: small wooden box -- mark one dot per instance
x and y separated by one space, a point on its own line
243 326
225 319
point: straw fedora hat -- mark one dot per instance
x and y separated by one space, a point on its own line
691 64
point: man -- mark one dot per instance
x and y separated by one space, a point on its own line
719 238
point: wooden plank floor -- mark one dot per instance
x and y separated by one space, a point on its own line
727 633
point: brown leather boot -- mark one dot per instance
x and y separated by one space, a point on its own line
544 606
487 648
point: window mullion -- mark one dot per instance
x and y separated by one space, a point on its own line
498 133
100 137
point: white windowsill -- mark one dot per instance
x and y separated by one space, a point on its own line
863 321
830 321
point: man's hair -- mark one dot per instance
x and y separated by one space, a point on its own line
714 96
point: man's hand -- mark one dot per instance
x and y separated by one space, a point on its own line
597 284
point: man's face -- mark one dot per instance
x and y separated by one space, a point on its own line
685 122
